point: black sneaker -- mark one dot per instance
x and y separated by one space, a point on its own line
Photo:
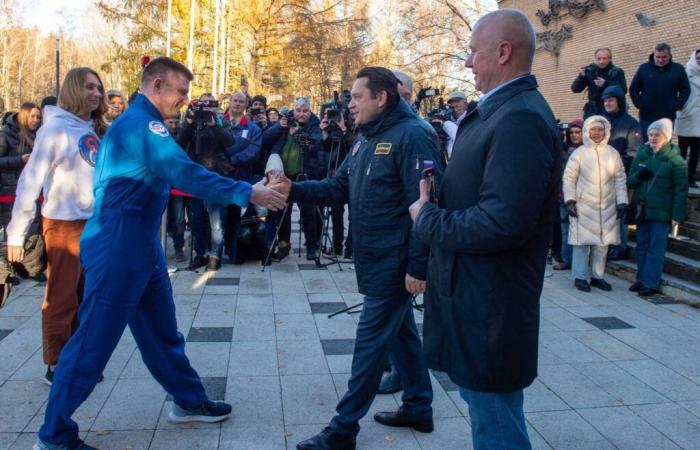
48 378
208 411
199 261
601 284
310 254
636 286
582 285
214 264
75 444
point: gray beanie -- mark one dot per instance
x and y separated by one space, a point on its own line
665 126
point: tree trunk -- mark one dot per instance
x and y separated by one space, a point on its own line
190 48
214 69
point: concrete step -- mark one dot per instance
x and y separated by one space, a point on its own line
671 286
691 230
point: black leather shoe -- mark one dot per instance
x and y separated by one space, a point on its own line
636 286
199 261
389 384
647 292
601 284
402 418
582 285
328 440
310 254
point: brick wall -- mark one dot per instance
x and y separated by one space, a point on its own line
677 23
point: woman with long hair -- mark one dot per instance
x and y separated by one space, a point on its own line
16 142
62 166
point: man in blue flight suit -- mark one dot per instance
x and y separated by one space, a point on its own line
126 278
376 180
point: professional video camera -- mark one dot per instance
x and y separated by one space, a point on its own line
202 109
425 93
255 112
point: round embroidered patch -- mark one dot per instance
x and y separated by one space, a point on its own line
87 146
158 128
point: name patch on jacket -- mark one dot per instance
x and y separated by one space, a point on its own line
158 128
382 148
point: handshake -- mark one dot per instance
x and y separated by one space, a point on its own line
272 191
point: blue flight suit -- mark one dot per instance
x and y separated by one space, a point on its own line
126 278
379 179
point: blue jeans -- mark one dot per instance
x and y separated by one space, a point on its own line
207 223
497 418
566 249
652 237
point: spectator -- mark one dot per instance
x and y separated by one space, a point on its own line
16 142
596 198
660 182
626 138
457 101
258 102
62 166
303 159
213 140
659 88
573 140
116 105
596 77
273 115
48 101
688 119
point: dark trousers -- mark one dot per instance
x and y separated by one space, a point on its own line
337 212
386 326
690 149
310 223
176 220
652 238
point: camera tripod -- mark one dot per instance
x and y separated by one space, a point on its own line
351 309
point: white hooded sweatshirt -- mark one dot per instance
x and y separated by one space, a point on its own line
61 165
688 118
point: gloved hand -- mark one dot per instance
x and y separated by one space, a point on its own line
571 208
621 211
645 174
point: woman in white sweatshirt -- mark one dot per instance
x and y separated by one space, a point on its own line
61 167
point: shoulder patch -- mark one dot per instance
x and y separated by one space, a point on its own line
158 128
382 148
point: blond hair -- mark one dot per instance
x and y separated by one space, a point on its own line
26 136
72 99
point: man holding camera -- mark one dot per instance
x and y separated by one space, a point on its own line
596 77
379 180
205 138
300 146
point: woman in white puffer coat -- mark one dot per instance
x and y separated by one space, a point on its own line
595 193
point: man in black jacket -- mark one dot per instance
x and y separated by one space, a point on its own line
659 88
597 77
489 234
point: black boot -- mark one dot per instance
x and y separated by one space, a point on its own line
403 418
601 284
328 440
582 285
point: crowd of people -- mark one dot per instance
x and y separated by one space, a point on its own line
92 163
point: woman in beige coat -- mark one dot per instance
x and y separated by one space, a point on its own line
595 193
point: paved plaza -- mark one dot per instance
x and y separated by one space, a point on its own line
615 371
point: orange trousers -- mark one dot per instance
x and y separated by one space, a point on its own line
59 313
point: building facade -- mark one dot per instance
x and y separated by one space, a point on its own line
630 28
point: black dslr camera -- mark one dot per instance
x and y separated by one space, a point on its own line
201 109
291 120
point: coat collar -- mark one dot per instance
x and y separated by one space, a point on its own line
143 101
495 101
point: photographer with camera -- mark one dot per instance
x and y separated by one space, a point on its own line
242 155
596 77
300 145
205 138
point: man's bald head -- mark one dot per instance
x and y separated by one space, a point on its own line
502 48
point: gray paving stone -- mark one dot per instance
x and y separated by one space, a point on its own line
303 405
339 363
120 440
626 389
254 304
606 345
210 334
257 437
209 359
223 281
20 403
693 407
443 406
327 297
318 281
626 430
301 357
567 348
4 334
288 302
338 346
675 422
564 320
632 316
574 388
327 307
644 342
255 401
12 322
254 327
567 430
664 380
132 405
253 358
668 317
6 440
451 433
342 326
374 436
539 397
185 439
23 305
216 311
255 285
299 327
25 441
607 323
19 346
444 380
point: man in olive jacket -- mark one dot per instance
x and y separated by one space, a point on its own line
489 233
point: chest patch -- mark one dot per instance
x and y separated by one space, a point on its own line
158 128
87 146
382 148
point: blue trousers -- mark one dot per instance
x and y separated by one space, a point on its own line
386 325
118 294
566 249
652 237
497 418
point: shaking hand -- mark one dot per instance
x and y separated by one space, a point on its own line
424 198
267 197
